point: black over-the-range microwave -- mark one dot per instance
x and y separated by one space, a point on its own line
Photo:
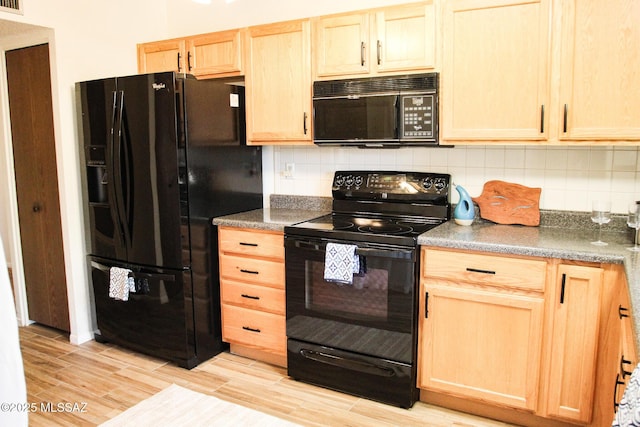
377 111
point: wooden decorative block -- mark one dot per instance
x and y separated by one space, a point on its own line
509 203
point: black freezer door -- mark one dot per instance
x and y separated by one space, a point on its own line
157 319
136 169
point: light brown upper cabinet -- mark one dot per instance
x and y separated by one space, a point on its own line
278 83
216 54
206 55
165 55
599 63
494 80
378 41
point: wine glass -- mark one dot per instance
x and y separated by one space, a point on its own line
634 222
600 214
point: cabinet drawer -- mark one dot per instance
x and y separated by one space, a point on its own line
259 271
265 331
484 269
252 296
251 242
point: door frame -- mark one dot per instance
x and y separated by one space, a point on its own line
14 245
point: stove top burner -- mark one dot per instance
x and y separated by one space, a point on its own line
385 229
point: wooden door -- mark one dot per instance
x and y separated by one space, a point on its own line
495 70
31 112
576 321
278 84
341 45
405 38
166 55
215 54
481 344
599 82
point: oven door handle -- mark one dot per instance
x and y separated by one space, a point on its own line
341 362
395 253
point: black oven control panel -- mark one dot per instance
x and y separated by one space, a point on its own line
385 185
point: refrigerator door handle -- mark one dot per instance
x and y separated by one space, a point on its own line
114 165
138 274
123 180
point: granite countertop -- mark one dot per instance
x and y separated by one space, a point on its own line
553 242
283 210
274 219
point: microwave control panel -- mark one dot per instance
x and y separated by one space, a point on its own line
417 116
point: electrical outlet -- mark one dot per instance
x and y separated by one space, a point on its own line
289 170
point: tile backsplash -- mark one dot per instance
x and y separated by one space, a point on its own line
570 177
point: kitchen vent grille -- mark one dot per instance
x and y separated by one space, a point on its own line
14 6
372 85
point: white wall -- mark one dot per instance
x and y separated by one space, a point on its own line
570 177
87 40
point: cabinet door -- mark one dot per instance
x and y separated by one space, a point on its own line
278 84
574 342
495 70
599 70
405 38
341 45
215 54
480 344
157 57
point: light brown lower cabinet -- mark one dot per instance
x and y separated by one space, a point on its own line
530 341
252 293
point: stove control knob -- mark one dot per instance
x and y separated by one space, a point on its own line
359 180
339 181
349 180
427 183
440 184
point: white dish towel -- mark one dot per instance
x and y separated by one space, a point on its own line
340 263
120 284
628 414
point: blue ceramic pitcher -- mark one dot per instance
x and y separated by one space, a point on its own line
464 213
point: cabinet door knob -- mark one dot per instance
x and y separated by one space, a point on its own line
36 207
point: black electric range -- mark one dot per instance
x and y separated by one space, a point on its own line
382 207
358 333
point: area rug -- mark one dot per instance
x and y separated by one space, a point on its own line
179 406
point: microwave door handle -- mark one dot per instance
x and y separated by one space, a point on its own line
398 116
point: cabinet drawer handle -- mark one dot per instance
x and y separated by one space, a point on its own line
362 49
623 312
179 65
248 244
542 119
379 52
477 270
564 281
564 120
622 370
246 328
615 392
242 270
249 296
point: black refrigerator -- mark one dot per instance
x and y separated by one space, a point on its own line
162 154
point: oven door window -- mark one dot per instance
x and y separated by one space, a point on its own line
365 117
372 315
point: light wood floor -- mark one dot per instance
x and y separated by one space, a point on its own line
110 379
